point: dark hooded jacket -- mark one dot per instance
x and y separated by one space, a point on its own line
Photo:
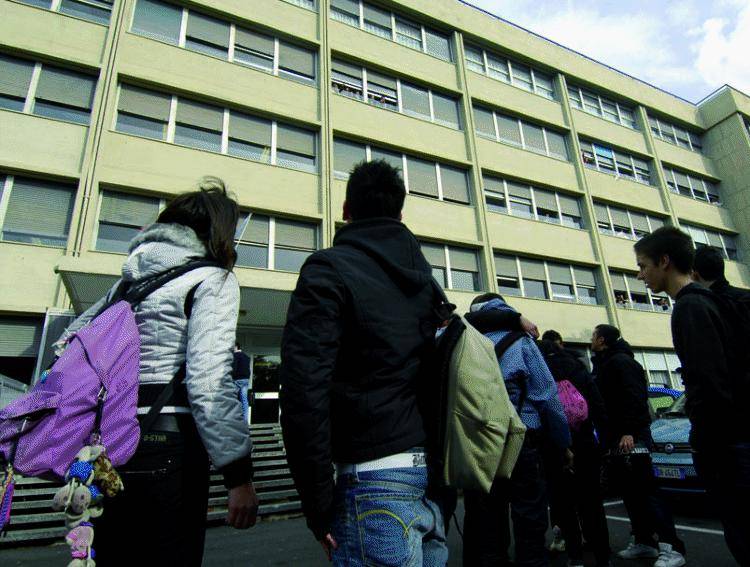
623 385
360 325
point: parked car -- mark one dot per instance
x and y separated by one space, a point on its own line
661 397
672 456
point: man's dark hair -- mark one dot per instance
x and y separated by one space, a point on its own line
609 333
375 189
485 297
237 345
552 335
709 263
668 241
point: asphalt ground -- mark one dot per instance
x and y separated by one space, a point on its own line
289 543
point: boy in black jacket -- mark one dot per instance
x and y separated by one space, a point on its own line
715 373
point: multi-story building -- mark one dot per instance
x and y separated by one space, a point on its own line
531 169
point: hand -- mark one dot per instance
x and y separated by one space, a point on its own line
329 545
627 443
243 506
529 327
569 458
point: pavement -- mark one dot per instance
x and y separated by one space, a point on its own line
287 542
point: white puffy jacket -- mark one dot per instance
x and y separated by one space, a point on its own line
205 340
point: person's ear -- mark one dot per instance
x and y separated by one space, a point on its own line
664 262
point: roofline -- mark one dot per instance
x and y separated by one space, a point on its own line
470 5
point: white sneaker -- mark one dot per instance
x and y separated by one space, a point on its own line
668 557
637 551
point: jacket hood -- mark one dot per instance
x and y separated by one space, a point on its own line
497 304
620 347
393 246
160 247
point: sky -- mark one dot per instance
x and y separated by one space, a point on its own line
686 47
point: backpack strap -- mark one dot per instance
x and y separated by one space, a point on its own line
519 379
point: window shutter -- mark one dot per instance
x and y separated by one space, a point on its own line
518 190
455 184
207 29
296 234
415 100
505 266
559 273
533 269
158 19
619 217
569 205
437 44
254 41
132 210
295 140
493 184
297 59
636 285
433 253
144 103
557 145
379 80
640 222
66 87
201 115
347 154
351 6
446 109
20 336
545 199
508 129
600 212
39 207
485 123
15 76
377 16
393 158
584 276
257 229
656 222
714 239
347 69
250 129
533 137
422 176
463 259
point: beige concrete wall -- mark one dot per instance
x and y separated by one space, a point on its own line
615 135
623 191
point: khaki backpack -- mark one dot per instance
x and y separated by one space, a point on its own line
480 430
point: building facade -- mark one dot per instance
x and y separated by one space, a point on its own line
531 170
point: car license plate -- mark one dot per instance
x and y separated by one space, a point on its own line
669 472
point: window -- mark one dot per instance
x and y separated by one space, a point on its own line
309 4
674 134
689 185
198 125
632 293
541 279
511 130
616 221
422 177
384 91
514 198
57 93
721 241
606 160
346 155
207 35
194 124
143 113
380 22
158 20
293 241
36 211
452 266
511 72
97 11
454 184
249 137
597 105
211 36
121 218
295 148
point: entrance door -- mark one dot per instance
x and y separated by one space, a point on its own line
264 389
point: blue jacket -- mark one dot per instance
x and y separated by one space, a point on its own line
542 409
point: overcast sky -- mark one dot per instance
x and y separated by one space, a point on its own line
687 47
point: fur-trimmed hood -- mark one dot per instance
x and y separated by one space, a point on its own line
160 247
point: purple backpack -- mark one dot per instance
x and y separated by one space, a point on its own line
90 394
574 404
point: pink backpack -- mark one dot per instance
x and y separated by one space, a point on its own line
574 404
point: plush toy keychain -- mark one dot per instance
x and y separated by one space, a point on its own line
89 478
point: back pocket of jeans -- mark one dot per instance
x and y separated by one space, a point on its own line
386 522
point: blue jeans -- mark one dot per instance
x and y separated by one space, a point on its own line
242 386
385 518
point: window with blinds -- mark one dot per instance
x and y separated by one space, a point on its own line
15 78
37 211
676 135
295 148
347 79
64 95
595 104
207 35
20 337
97 11
605 159
422 176
511 130
296 63
453 267
143 112
346 155
198 125
249 137
121 217
545 279
254 49
692 186
632 293
293 241
625 223
382 91
721 241
445 110
377 21
526 201
157 20
508 71
454 184
345 11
